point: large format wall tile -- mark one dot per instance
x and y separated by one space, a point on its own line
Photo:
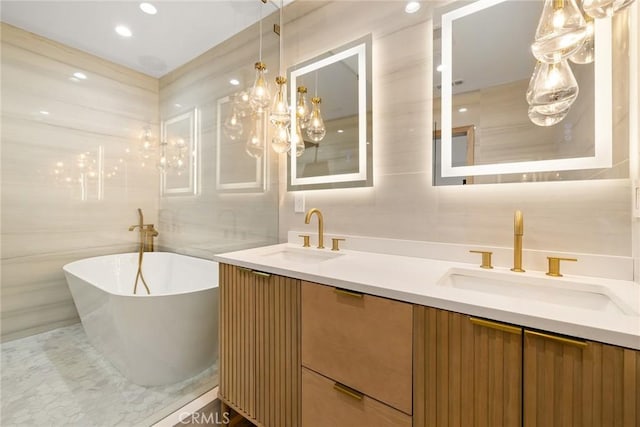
54 210
590 216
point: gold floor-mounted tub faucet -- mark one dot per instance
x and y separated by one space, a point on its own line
518 232
147 233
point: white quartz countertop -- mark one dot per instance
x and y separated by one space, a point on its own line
416 280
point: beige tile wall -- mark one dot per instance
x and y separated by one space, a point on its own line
580 216
49 218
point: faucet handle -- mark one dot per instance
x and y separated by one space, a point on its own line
305 240
486 258
554 265
334 243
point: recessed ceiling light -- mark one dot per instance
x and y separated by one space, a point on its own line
439 68
340 131
178 105
44 113
462 110
79 75
412 7
148 8
123 31
73 79
234 82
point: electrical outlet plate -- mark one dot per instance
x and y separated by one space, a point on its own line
298 205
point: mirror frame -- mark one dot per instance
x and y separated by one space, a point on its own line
259 183
603 107
193 148
364 177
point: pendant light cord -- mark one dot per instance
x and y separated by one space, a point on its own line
281 35
260 26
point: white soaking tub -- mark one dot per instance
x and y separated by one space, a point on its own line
156 339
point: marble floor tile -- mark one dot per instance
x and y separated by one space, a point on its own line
58 379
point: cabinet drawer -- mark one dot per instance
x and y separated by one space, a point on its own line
325 405
362 341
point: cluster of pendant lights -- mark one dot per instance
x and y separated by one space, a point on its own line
565 33
256 103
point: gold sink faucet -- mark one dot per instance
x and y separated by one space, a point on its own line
307 219
518 232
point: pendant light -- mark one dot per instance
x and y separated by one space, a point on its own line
259 97
297 141
316 129
302 107
232 126
281 141
561 31
552 88
254 146
241 104
586 53
280 110
604 8
540 119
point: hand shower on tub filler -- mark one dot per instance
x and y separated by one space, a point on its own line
147 233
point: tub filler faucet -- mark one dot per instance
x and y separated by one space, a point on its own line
147 233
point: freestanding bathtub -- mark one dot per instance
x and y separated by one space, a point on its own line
155 339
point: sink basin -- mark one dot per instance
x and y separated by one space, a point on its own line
301 255
563 293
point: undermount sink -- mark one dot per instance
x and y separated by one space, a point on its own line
564 293
302 255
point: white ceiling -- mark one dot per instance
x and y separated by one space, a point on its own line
179 32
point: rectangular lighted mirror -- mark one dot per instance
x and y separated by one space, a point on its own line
482 67
179 153
341 78
238 169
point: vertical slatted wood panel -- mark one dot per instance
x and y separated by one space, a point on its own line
568 385
237 339
469 375
278 380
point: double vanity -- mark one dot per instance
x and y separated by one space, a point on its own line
321 337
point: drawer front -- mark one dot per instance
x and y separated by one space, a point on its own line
324 404
362 341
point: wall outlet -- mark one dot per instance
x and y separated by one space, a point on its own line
298 204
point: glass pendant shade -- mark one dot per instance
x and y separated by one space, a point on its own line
316 129
604 8
280 143
302 108
552 88
540 119
241 104
586 53
146 143
561 31
232 126
280 110
259 97
297 141
254 146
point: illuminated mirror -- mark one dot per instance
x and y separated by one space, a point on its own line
482 67
341 78
179 154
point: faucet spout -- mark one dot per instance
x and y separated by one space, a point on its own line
518 232
307 220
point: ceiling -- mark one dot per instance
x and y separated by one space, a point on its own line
179 32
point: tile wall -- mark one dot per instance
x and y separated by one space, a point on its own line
579 216
72 175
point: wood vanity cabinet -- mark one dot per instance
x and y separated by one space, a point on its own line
468 372
477 372
356 359
569 382
260 346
